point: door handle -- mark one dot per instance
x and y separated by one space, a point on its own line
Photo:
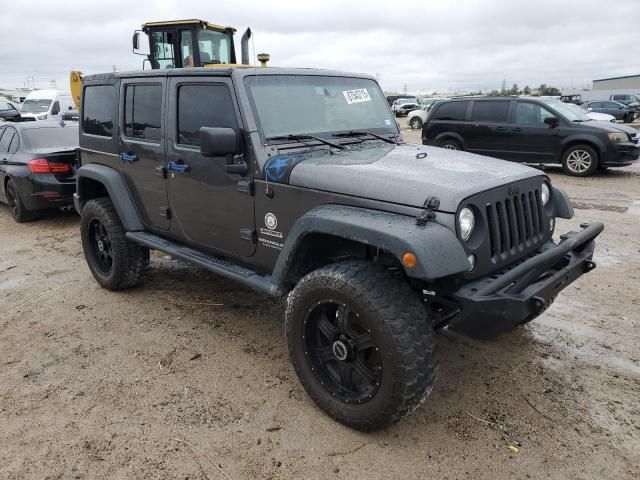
178 166
500 129
128 157
516 129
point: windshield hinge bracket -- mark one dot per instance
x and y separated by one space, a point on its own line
428 213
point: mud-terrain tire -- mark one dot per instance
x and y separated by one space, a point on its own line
450 144
580 161
18 211
386 331
115 262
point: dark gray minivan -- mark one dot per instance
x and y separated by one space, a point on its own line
530 130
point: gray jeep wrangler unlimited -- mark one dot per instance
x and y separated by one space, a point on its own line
295 182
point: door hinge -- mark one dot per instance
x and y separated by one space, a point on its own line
249 234
246 186
428 214
165 212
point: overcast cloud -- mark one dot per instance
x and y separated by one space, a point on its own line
425 45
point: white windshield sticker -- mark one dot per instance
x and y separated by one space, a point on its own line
357 96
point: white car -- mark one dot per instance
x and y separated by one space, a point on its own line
600 117
41 104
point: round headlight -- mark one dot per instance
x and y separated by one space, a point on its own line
466 222
545 194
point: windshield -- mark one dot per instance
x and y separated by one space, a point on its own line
36 106
571 112
61 138
302 105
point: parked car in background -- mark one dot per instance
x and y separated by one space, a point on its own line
41 104
600 117
576 99
627 98
619 110
530 130
402 106
37 166
416 118
8 111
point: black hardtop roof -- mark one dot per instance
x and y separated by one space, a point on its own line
221 72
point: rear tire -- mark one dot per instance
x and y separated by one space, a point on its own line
415 123
114 261
580 161
449 144
360 343
18 211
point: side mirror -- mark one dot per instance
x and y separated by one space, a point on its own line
551 121
218 142
136 41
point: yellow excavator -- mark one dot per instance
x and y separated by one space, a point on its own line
184 44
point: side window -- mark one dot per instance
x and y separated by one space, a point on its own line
186 48
161 44
6 139
609 105
203 106
451 111
15 142
98 106
2 132
618 97
142 111
595 105
531 114
491 111
55 110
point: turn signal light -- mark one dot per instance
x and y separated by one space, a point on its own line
409 260
42 165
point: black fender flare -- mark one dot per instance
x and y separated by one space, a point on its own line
455 136
561 203
437 249
117 190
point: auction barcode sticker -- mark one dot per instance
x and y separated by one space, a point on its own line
357 96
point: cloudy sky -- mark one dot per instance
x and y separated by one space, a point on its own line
425 45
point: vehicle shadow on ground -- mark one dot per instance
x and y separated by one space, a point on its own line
58 219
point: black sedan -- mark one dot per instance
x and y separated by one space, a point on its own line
8 111
38 162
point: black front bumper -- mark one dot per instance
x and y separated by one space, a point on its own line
500 302
621 155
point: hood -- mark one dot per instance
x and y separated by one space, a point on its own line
406 174
600 116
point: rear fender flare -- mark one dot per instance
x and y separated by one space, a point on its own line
116 187
437 249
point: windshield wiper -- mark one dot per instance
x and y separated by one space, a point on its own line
306 137
359 133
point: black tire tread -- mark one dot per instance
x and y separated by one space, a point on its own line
404 319
23 214
130 260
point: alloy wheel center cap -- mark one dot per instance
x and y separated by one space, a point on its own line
100 245
340 350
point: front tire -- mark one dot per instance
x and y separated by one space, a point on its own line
114 261
18 211
360 343
580 161
415 123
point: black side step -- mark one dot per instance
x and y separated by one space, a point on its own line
210 262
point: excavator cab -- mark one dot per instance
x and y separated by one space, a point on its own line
189 43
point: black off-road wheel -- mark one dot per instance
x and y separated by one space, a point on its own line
580 161
360 343
114 261
449 144
18 211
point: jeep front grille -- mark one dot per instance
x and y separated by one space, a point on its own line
515 224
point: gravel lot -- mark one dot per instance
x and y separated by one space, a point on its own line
188 377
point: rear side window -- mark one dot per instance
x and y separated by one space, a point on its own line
610 105
491 111
595 105
203 106
98 108
451 111
142 111
15 142
619 97
5 139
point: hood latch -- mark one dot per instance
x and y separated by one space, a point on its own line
428 214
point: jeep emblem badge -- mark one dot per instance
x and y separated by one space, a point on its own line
513 191
270 221
340 350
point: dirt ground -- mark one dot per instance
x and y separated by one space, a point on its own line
188 376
